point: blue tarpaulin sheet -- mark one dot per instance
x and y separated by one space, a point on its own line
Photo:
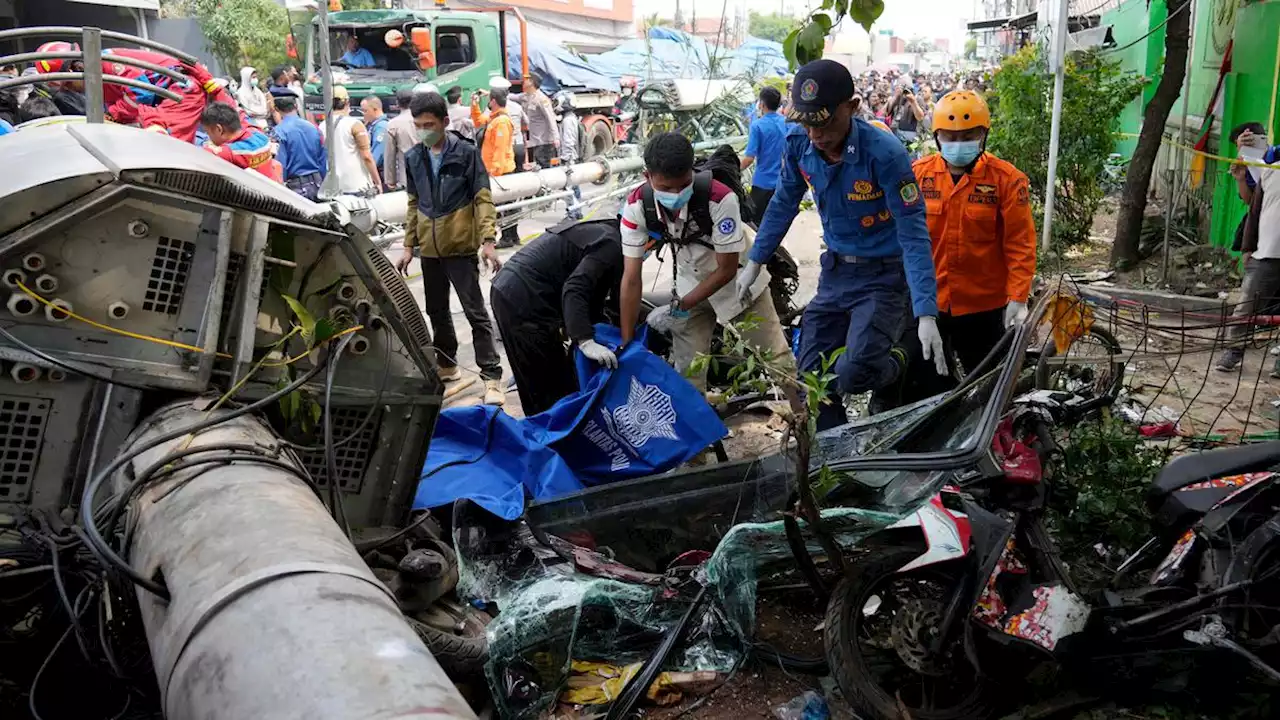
672 54
558 68
639 420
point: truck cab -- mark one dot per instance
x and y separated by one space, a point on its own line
467 49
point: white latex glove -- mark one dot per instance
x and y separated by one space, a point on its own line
1014 313
660 319
746 278
598 353
931 344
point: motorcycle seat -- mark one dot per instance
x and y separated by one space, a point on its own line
1199 467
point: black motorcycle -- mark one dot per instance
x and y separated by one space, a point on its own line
970 589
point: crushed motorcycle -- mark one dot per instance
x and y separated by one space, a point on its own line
939 611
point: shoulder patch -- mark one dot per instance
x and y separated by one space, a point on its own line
1024 195
909 192
727 226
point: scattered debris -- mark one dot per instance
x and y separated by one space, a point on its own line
807 706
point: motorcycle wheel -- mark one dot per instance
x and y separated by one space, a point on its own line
877 626
455 635
1100 365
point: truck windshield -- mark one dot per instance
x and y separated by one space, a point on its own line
364 48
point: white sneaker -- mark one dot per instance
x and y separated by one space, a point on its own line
493 394
449 374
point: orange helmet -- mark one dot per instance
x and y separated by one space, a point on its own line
55 65
961 110
880 125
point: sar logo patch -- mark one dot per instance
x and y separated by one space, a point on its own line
927 183
1024 197
809 90
868 221
909 192
727 226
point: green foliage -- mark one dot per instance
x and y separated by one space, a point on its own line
770 26
971 48
806 42
1095 91
1100 488
239 32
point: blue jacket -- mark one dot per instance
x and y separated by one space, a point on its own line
869 204
301 149
377 139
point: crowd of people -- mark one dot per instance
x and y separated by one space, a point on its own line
945 246
904 102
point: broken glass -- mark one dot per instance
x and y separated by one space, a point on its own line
605 574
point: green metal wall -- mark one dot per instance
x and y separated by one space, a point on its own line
1131 26
1250 96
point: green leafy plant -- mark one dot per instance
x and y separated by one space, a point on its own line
1095 91
1100 489
806 42
758 369
770 26
239 32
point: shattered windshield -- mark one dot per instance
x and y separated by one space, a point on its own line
606 573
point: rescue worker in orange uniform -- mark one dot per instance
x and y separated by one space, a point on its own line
978 209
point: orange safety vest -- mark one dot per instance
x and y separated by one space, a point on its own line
983 233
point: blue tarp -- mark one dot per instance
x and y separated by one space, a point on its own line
673 54
757 57
639 420
558 68
666 55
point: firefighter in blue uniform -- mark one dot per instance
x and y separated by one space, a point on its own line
873 223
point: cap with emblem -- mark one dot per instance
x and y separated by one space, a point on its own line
818 90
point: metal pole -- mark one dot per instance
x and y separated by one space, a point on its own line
1058 62
1178 181
91 45
329 188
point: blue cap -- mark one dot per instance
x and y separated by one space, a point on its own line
818 90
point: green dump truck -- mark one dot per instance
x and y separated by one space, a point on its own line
440 46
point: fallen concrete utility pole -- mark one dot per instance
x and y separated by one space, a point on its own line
391 207
272 614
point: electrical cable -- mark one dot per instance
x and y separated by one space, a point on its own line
66 599
1185 4
99 544
373 410
24 571
100 326
161 468
65 365
330 452
35 681
369 546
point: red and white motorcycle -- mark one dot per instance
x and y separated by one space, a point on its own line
971 581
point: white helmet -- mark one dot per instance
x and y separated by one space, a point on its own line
497 82
425 88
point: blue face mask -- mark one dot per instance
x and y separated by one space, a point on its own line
673 201
961 154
